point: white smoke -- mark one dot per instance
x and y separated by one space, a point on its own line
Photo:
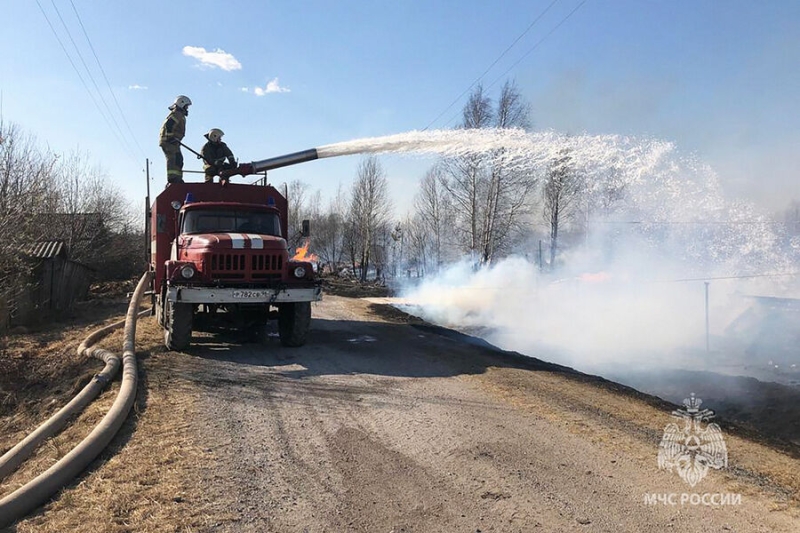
634 291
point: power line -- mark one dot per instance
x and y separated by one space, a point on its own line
108 84
91 77
693 223
83 82
493 64
535 46
745 276
526 54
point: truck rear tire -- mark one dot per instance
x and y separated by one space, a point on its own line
178 329
294 321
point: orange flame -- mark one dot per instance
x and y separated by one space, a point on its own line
303 255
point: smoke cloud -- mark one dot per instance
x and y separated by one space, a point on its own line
633 291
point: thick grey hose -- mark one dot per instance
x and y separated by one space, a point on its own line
43 487
16 455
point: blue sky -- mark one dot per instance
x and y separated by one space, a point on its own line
721 79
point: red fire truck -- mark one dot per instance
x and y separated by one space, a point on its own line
220 259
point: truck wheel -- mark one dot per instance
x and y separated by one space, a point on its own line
178 329
294 320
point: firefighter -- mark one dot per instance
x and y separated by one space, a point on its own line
172 132
214 154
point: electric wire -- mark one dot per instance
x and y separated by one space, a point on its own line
478 79
743 276
91 77
535 46
693 223
108 84
526 54
83 82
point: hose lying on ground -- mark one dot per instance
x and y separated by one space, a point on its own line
16 455
31 495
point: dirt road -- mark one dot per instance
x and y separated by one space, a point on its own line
377 425
382 425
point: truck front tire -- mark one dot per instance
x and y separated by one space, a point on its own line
178 327
294 321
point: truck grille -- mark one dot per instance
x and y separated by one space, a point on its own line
246 266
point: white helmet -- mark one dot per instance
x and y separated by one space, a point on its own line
181 102
214 134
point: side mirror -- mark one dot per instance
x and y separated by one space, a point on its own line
306 231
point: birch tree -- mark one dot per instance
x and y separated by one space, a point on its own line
370 208
436 214
560 194
507 191
466 176
490 199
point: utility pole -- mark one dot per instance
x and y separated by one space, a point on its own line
147 213
707 283
541 265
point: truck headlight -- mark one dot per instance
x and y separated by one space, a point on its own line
300 272
188 272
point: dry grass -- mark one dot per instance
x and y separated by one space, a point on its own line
150 477
40 370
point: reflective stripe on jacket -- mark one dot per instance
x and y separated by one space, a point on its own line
174 127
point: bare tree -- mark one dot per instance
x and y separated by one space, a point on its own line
562 188
507 190
436 214
296 198
329 231
370 207
27 189
418 243
512 111
491 198
44 196
466 176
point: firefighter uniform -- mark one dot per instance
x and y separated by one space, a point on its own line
172 133
214 155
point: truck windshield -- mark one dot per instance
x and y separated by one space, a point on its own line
231 221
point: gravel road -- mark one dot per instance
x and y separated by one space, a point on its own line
380 425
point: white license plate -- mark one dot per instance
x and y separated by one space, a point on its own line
250 295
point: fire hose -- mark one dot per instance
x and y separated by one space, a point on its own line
31 495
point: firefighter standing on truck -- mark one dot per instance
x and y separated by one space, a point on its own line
214 154
172 133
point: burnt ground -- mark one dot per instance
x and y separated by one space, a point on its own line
770 410
351 288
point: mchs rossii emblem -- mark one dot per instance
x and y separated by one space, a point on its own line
696 446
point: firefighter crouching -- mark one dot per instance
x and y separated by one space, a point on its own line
214 154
